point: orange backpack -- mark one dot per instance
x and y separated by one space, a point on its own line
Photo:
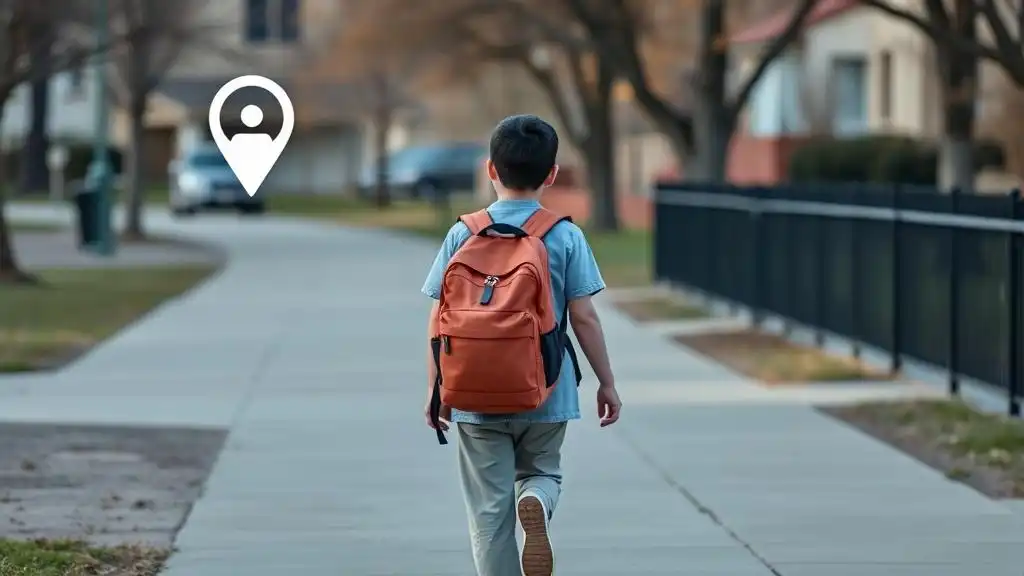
499 349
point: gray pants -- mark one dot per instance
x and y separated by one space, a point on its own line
497 462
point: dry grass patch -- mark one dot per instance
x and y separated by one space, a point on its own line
774 360
985 451
660 308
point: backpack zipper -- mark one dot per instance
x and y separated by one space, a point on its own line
447 344
488 293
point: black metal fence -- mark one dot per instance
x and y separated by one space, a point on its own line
933 277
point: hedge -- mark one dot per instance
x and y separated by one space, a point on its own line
880 159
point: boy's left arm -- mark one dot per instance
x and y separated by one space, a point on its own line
432 288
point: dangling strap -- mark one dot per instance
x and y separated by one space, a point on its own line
435 396
542 221
563 328
476 221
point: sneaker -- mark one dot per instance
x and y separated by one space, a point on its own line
538 558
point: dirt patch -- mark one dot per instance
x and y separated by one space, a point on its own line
774 360
661 308
108 486
984 451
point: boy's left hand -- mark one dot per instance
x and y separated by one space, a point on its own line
444 420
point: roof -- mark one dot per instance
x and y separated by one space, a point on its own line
773 26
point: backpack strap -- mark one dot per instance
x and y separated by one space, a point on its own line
476 221
542 221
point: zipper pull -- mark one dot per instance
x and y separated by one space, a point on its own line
447 343
489 283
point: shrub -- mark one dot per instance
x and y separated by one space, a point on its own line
879 159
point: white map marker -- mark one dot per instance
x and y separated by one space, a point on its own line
251 156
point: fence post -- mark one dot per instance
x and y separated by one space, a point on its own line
786 239
954 300
855 282
820 285
757 300
1013 288
897 282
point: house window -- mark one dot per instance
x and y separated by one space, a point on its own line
289 19
850 111
885 87
272 21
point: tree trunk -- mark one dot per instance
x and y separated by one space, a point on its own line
10 271
35 174
382 129
382 194
135 170
959 92
599 151
713 120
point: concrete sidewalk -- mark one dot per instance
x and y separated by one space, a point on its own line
310 348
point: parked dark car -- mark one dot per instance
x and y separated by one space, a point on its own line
425 171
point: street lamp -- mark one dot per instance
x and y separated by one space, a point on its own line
99 177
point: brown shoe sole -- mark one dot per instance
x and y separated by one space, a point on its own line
537 557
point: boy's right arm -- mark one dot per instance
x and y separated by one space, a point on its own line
582 281
587 326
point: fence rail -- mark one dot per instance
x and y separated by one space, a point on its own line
933 277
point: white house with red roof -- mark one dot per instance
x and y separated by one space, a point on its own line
854 71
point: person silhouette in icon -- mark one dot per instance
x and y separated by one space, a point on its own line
252 150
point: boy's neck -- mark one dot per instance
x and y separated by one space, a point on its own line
520 195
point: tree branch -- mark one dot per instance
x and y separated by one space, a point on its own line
774 49
1009 48
936 26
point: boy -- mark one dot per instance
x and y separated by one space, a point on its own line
510 463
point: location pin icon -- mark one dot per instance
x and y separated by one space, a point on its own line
249 155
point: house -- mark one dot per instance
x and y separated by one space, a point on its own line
854 71
271 38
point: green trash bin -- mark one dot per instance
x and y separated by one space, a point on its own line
87 204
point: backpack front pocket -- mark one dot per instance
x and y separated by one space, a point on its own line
490 361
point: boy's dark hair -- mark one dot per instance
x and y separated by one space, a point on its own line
523 150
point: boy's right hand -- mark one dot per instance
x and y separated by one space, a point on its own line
608 405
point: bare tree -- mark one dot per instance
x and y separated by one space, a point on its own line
35 173
701 135
369 56
155 32
958 46
465 37
19 20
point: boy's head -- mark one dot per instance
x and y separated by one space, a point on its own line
523 152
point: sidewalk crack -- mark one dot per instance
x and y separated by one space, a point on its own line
695 502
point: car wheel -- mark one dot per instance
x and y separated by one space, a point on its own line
425 190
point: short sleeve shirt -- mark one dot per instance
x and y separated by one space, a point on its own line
574 274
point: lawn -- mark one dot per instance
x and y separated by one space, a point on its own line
661 307
624 257
70 558
37 227
982 450
44 326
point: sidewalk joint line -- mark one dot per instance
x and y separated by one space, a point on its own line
696 503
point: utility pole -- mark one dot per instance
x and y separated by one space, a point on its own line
100 177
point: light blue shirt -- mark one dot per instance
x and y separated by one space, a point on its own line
574 274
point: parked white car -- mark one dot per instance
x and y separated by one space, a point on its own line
200 179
